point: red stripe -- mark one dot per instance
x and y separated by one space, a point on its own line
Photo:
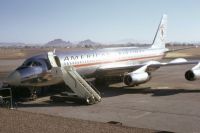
102 62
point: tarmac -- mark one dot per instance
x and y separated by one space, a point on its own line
167 103
14 121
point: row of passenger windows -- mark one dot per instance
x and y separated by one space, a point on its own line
74 62
102 55
80 62
126 54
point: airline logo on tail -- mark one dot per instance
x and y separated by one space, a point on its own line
160 37
162 31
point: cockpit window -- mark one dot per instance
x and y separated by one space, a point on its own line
31 64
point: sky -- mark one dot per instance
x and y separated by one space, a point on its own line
105 21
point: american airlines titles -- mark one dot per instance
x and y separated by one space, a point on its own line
100 55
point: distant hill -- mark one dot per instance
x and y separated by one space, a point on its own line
59 43
53 43
62 43
88 43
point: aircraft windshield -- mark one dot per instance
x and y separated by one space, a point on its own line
31 64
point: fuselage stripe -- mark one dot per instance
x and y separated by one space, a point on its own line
121 60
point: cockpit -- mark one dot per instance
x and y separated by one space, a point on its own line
31 64
34 71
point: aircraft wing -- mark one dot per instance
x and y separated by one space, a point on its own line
150 66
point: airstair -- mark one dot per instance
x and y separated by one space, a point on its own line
75 82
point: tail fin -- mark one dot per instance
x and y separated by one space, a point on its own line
160 37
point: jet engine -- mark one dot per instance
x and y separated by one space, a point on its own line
192 75
133 79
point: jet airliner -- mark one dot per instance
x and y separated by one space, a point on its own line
131 65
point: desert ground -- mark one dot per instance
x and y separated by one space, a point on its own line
166 103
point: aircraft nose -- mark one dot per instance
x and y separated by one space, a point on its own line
14 78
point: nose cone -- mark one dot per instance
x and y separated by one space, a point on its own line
14 78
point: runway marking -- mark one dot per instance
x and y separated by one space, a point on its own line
162 87
142 115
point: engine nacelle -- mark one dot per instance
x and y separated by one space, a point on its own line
132 79
192 75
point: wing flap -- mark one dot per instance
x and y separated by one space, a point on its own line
114 69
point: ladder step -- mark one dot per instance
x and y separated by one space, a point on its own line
78 85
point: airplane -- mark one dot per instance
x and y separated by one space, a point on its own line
131 65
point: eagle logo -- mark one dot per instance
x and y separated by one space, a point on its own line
162 32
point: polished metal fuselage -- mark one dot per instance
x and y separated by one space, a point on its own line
86 62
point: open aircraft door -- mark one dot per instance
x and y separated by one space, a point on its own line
54 60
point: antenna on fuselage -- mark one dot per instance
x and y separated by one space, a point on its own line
54 51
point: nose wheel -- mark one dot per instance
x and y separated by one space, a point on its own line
33 93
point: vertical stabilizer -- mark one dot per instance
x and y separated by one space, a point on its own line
160 37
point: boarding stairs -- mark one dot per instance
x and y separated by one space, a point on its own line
75 82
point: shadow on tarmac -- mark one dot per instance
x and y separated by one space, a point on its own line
116 91
110 92
47 104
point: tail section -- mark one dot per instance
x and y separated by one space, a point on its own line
160 37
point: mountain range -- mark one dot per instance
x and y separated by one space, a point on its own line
84 43
53 43
62 43
59 43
